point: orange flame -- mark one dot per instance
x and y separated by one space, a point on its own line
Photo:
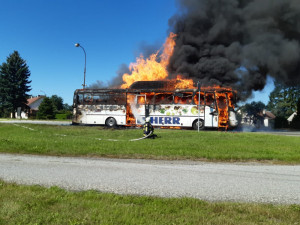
150 69
182 83
154 68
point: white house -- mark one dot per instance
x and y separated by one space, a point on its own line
290 119
33 104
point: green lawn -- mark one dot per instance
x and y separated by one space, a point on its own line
171 144
21 204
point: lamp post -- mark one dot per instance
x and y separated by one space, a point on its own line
78 45
198 86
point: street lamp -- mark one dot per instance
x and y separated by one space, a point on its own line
199 86
78 45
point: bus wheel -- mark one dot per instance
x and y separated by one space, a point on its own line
111 122
201 125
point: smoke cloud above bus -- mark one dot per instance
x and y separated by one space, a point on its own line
237 43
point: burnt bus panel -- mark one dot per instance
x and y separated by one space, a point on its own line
161 101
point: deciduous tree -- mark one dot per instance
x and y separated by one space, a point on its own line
57 102
283 100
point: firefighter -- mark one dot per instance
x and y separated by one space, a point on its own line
148 129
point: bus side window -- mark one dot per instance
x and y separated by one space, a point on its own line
116 99
113 99
210 100
149 99
96 99
80 99
141 100
196 98
88 99
164 98
183 98
120 99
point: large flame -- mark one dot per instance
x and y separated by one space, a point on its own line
154 68
151 69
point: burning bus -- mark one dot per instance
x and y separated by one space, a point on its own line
148 91
162 101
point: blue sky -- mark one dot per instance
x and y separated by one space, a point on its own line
111 31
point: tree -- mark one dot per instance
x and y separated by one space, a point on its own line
296 121
14 83
46 109
253 110
283 100
57 102
68 107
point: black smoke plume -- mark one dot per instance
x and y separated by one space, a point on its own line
237 43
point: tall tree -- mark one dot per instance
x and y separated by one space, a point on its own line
46 109
14 83
283 100
57 102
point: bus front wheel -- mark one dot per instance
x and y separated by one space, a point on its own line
111 122
201 125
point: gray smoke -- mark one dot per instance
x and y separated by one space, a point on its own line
147 49
115 82
237 43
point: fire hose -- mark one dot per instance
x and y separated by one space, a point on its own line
138 139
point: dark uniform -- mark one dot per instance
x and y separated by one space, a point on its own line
148 128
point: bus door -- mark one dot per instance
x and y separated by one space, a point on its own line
142 109
211 112
223 109
130 109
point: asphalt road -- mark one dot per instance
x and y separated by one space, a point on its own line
207 181
47 122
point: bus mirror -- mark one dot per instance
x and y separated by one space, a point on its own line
214 113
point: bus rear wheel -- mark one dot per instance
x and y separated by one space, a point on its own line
111 122
201 125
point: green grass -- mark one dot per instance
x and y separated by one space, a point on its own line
21 204
171 144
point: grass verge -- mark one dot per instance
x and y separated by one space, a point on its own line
171 144
21 204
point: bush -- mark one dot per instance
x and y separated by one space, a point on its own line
296 122
60 116
280 122
63 116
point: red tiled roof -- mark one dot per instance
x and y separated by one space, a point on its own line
32 100
270 115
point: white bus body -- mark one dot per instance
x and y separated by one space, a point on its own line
113 107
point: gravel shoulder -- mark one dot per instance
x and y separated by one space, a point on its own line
240 182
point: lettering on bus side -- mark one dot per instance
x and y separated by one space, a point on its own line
158 120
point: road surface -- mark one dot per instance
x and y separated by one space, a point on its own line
47 122
207 181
